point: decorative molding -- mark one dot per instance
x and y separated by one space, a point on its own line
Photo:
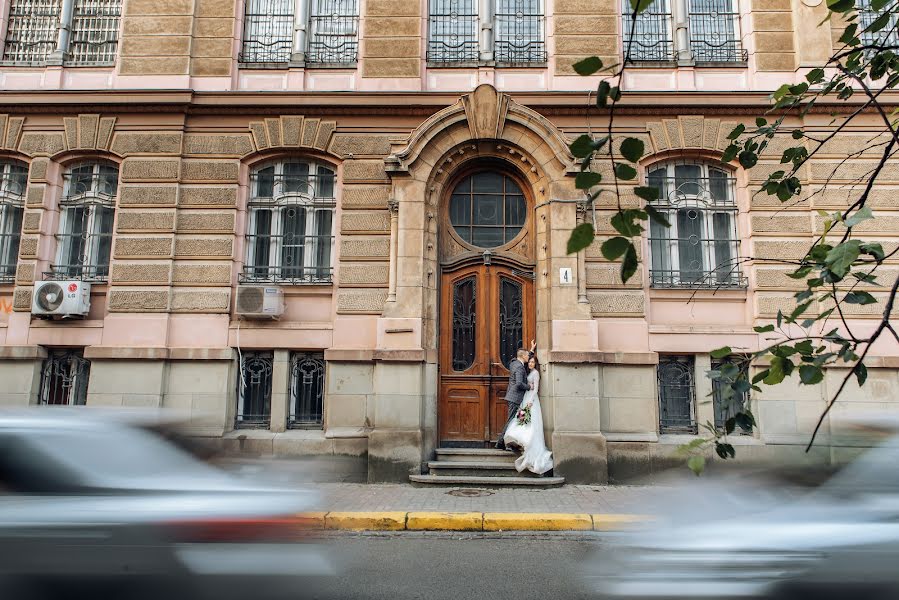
292 131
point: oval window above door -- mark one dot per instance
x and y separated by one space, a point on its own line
487 209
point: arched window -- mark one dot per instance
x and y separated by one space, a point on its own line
700 248
13 178
487 209
290 233
85 228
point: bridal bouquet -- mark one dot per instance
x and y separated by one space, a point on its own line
524 415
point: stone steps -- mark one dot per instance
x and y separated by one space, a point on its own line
480 467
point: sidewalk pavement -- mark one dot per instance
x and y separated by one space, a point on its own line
396 507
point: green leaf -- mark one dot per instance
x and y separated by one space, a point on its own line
761 376
849 33
615 93
649 194
624 223
814 76
860 215
625 172
880 22
810 374
797 134
744 421
602 93
873 249
763 328
730 425
696 464
721 352
862 298
588 66
581 237
639 6
629 264
840 258
632 149
748 159
657 216
799 310
614 247
582 146
776 372
861 373
724 450
736 132
730 153
586 180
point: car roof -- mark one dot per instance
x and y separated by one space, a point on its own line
83 417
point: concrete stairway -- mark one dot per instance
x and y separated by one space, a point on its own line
480 467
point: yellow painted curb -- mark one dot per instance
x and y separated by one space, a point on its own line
611 522
436 521
366 521
311 520
537 522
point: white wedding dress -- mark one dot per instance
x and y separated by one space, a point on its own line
535 457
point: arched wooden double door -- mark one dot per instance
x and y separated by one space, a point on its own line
486 315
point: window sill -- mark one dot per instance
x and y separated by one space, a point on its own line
487 64
700 294
677 439
284 66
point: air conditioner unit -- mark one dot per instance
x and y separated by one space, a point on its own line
64 299
260 301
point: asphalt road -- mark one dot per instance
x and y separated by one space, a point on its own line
438 566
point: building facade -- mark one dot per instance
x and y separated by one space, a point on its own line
392 180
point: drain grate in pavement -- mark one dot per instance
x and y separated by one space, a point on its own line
469 493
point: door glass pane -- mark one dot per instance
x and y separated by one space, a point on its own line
511 320
464 320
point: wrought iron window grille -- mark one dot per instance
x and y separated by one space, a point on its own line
13 181
519 33
677 393
453 28
464 323
87 208
290 234
726 408
267 32
713 34
701 248
886 37
64 378
333 33
307 390
94 32
254 390
32 31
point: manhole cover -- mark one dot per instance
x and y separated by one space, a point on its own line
470 493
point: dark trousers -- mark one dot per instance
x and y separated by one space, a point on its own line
513 411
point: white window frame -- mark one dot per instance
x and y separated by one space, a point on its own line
681 30
12 209
66 37
91 200
664 242
487 34
310 200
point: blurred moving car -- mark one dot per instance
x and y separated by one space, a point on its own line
96 508
741 538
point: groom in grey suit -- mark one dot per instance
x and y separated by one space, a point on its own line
518 385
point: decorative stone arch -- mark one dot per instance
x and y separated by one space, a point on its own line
689 132
291 133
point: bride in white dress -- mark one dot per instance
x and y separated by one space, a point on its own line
535 457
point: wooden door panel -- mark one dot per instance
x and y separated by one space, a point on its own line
462 412
499 410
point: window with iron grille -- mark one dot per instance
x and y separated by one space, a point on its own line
333 32
254 390
267 31
677 391
453 31
519 32
32 31
713 33
290 235
307 390
13 179
726 407
87 210
64 378
887 35
701 247
95 32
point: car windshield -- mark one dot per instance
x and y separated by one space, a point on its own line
114 457
874 471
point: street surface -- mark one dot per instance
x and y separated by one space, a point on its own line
444 566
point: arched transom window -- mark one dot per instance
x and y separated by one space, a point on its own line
487 209
13 178
85 228
290 234
701 247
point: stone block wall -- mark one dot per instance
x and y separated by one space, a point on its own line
391 39
584 28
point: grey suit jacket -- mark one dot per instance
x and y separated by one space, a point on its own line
518 382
